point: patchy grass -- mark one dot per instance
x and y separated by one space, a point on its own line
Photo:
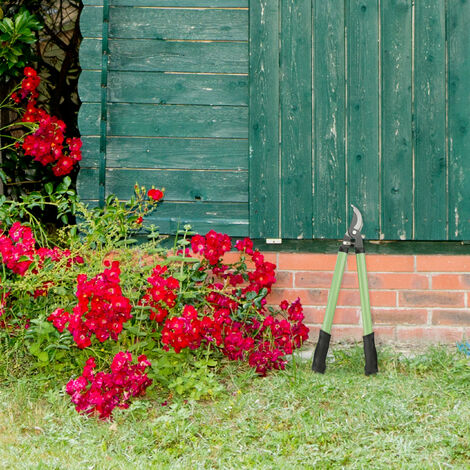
414 414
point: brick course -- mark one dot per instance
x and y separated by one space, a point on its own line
414 298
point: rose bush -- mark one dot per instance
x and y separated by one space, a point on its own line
90 307
43 137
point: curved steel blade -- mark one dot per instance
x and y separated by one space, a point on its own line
357 222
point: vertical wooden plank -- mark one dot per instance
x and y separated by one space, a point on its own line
458 40
329 206
264 119
430 116
397 167
363 113
296 118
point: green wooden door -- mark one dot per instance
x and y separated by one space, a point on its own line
270 117
361 102
175 111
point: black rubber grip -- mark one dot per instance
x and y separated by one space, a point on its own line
321 350
370 354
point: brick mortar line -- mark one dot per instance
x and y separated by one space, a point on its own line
386 307
434 327
351 324
376 289
389 289
393 326
410 308
436 290
428 274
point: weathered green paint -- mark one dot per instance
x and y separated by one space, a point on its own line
264 119
152 55
430 121
329 193
148 120
230 218
165 153
103 101
363 111
132 87
296 118
397 158
458 40
174 3
199 80
181 185
154 23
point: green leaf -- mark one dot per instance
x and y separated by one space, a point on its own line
49 187
9 26
16 51
250 295
182 258
43 356
67 181
138 345
134 330
34 348
128 241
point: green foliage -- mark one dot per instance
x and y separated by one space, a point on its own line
114 224
29 207
51 282
46 344
185 375
57 58
17 34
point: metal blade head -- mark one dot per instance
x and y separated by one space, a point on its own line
356 223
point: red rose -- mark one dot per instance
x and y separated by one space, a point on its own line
155 194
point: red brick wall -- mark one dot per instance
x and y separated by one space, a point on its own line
414 298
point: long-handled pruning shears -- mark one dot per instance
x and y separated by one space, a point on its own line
352 238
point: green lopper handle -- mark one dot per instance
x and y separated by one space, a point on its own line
364 293
334 292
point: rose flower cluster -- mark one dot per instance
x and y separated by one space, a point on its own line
17 248
18 251
212 246
213 307
260 338
161 296
102 309
47 144
99 393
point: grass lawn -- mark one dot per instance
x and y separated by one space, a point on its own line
414 414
